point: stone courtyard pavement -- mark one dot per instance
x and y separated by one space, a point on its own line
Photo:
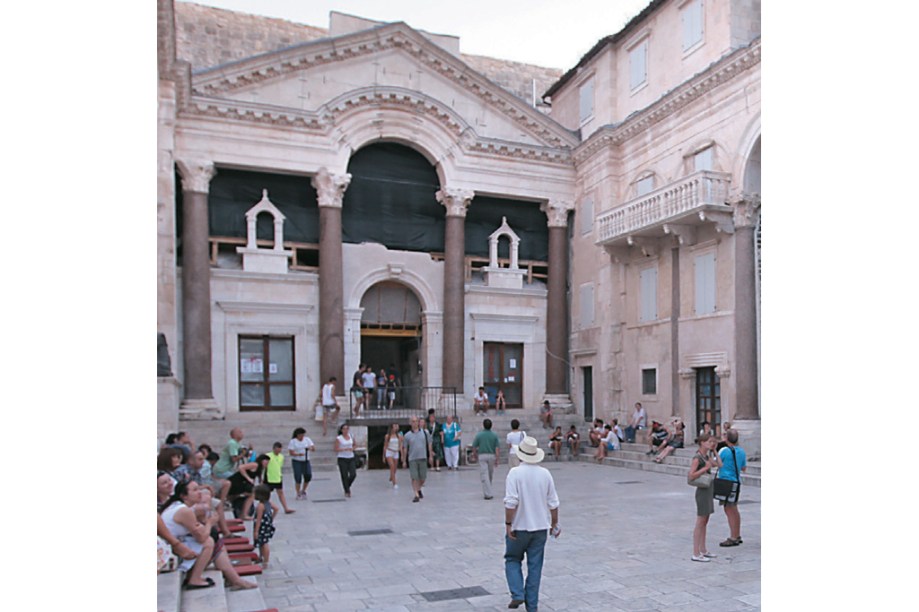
625 545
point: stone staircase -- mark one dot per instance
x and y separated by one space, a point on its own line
171 597
261 431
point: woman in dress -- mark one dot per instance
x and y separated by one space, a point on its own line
437 438
555 442
393 447
179 517
702 463
347 467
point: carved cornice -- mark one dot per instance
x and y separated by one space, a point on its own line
327 117
456 201
228 78
196 175
330 188
723 71
557 212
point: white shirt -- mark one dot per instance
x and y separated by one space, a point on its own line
531 490
327 399
612 439
514 438
346 447
370 380
298 448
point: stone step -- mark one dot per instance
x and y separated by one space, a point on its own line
169 591
676 466
246 600
213 599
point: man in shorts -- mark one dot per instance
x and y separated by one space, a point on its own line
273 474
232 454
419 454
357 389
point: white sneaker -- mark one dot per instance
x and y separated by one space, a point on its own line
700 558
395 486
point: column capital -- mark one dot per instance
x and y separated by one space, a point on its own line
196 175
455 200
746 208
330 188
557 212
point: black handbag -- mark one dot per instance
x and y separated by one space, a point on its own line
725 490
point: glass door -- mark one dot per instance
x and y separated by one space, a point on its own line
708 399
504 370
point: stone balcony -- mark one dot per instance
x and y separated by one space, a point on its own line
675 210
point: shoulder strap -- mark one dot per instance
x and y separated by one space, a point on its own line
736 469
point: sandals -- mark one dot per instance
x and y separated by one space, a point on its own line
208 584
731 542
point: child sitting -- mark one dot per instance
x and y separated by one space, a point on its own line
263 529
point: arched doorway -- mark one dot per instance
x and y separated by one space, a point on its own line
391 335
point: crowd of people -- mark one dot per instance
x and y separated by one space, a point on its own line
196 485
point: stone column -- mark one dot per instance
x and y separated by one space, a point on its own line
746 214
330 190
456 201
198 399
557 300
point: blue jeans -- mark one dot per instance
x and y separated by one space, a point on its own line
533 544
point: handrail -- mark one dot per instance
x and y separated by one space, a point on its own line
408 402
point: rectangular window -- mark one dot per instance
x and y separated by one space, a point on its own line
643 186
691 17
586 93
638 65
703 160
649 381
587 305
705 283
587 215
647 291
504 370
266 373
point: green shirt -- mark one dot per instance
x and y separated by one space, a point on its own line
225 466
274 467
485 442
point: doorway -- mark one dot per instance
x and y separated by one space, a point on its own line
708 399
588 376
504 370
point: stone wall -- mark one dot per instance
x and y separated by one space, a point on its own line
207 37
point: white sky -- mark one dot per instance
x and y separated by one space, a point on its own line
546 33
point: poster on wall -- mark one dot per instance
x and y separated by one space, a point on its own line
251 365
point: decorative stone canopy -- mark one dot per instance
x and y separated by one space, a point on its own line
255 259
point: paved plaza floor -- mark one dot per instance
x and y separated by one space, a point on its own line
625 545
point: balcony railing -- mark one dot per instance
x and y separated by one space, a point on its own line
676 202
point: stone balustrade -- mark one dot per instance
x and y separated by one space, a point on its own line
700 191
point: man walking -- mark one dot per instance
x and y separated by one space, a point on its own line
530 511
485 444
418 454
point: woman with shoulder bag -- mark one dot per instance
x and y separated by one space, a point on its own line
702 463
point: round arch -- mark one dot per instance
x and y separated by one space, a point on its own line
422 290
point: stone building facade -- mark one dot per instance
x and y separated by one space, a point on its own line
367 193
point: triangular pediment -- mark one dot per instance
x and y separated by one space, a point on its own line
309 84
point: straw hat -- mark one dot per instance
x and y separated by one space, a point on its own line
528 451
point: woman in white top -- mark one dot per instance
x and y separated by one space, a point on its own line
514 438
344 446
328 403
298 448
179 517
393 446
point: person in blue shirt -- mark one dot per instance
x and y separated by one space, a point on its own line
730 470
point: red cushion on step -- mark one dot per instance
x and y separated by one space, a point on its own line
238 548
248 570
236 540
241 556
236 528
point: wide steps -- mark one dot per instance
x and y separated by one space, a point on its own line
169 591
213 599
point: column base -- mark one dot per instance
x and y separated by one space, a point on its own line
750 440
560 402
200 410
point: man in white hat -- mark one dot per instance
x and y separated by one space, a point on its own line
530 512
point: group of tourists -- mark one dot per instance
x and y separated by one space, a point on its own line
374 390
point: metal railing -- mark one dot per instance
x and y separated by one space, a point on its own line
408 402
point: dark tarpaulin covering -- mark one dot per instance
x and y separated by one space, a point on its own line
233 192
484 215
390 200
